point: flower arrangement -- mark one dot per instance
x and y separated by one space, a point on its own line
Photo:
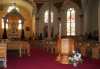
75 58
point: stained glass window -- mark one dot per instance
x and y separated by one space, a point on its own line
6 25
52 16
46 16
70 22
2 24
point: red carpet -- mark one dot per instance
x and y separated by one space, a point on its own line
41 60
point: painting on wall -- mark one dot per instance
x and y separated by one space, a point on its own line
27 28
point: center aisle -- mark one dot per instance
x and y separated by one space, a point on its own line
42 60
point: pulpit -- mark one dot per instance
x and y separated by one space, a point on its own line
66 47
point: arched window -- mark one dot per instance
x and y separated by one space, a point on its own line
71 22
46 16
52 14
13 6
3 24
19 24
7 24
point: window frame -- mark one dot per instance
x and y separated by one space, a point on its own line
70 24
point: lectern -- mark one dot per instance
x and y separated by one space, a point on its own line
66 47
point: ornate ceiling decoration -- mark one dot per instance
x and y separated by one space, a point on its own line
57 3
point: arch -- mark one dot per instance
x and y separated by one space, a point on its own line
46 16
21 3
65 7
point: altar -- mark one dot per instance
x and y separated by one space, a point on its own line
13 25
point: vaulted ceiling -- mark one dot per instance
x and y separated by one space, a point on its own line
58 3
19 3
39 3
78 2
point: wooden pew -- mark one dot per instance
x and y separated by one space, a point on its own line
3 54
96 52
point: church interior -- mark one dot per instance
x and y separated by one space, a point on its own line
49 34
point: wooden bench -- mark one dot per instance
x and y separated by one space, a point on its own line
3 54
21 46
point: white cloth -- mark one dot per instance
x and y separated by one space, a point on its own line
77 56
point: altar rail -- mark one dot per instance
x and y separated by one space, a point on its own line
23 47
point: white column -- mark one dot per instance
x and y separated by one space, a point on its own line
59 30
99 20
